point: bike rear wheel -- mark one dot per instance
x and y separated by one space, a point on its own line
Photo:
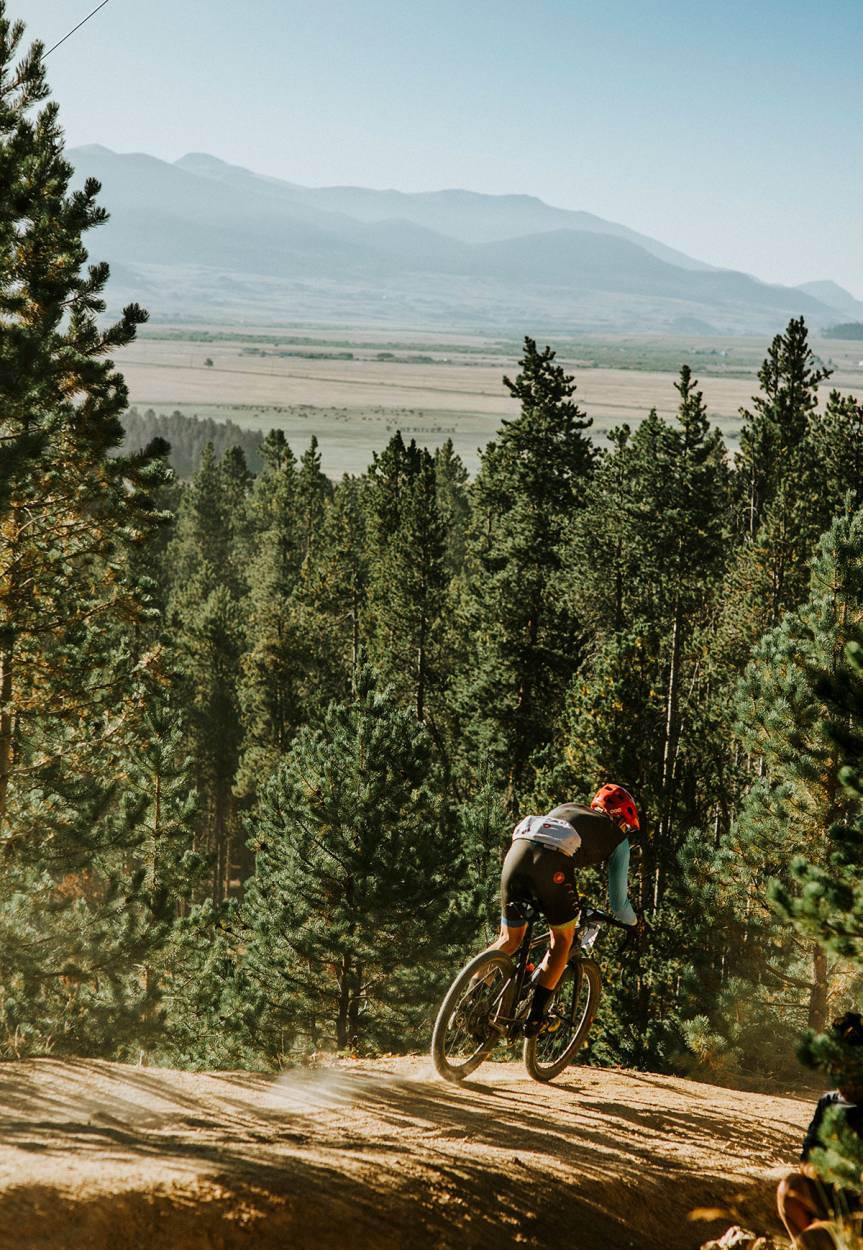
570 1015
468 1024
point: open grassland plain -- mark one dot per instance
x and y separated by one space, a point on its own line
353 388
380 1155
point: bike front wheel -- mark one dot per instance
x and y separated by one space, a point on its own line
570 1015
470 1021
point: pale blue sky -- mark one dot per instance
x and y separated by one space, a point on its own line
731 130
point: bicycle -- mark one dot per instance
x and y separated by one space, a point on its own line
489 1000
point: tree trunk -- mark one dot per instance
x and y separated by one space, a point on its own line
354 1006
343 1016
818 991
421 671
669 746
6 729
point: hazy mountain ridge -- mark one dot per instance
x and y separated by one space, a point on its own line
469 216
204 235
834 295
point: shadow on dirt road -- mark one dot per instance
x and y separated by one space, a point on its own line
379 1155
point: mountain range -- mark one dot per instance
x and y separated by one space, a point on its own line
202 239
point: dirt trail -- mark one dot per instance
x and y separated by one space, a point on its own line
378 1155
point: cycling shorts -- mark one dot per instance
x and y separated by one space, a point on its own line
537 874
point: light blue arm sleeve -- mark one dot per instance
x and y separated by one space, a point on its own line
618 892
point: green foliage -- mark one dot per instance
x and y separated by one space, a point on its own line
649 613
354 868
522 633
267 692
407 579
188 436
331 601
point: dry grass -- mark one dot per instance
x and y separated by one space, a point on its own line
353 405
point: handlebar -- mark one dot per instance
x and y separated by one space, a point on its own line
588 915
593 915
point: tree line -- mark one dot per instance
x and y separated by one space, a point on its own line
187 437
263 737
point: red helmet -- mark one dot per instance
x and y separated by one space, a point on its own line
616 801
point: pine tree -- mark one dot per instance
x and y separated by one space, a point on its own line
269 697
647 553
795 797
76 615
331 600
344 915
453 504
206 620
825 903
780 496
523 639
773 437
66 508
836 449
407 581
235 483
314 488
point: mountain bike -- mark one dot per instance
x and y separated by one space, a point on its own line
489 1001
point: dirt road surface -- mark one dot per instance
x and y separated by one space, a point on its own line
374 1155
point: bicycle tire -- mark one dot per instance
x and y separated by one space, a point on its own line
536 1048
487 962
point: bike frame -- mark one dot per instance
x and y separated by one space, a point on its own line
589 918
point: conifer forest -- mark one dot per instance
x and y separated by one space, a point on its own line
264 736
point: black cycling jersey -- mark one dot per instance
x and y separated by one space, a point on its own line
598 832
536 870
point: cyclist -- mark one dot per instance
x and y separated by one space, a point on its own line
540 868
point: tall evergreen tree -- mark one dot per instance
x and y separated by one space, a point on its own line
795 797
314 488
774 433
647 552
407 580
206 619
453 500
354 869
779 488
66 508
74 608
824 902
523 640
331 601
271 666
836 449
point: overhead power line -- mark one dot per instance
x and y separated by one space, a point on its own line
74 28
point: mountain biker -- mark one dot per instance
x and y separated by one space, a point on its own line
540 868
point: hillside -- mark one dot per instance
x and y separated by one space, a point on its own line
202 238
379 1155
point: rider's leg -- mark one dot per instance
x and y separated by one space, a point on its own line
508 940
557 954
510 937
551 970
